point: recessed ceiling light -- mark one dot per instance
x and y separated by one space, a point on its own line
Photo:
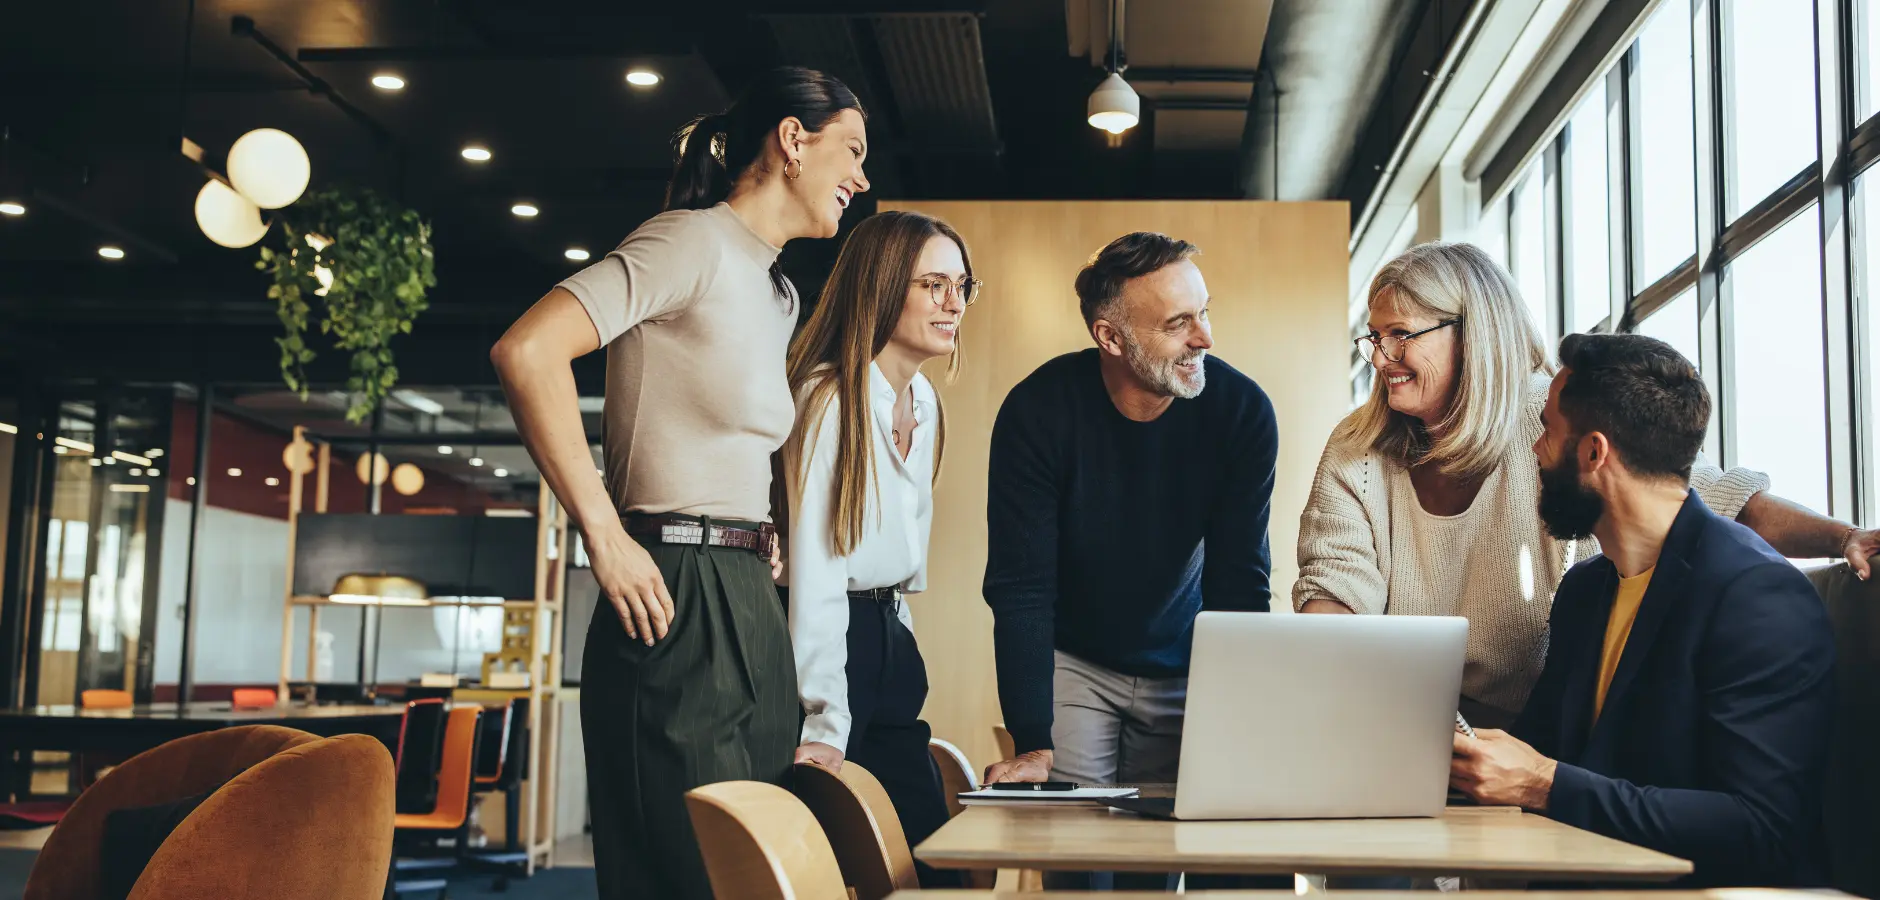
476 460
191 480
271 482
109 252
575 253
96 461
475 153
152 472
501 473
137 472
525 210
154 452
446 450
234 473
11 208
642 78
388 82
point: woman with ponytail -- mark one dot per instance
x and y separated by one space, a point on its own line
860 466
690 681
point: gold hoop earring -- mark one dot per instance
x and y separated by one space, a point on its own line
793 175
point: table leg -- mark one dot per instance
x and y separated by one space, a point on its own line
1025 881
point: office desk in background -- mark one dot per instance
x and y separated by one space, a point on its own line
1469 841
139 728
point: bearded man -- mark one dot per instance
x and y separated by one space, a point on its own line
1129 488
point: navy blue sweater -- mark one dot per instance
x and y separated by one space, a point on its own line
1106 535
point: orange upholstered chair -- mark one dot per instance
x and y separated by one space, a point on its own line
105 699
453 773
296 817
253 698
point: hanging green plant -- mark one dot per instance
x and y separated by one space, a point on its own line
366 262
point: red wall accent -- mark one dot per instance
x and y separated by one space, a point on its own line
256 451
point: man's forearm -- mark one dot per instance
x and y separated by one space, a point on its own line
1022 656
1794 530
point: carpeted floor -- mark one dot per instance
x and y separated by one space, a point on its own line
549 884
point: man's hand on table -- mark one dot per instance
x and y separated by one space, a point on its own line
1033 766
1498 769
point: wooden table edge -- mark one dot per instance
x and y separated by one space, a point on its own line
1674 869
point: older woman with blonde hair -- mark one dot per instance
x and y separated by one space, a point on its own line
1426 498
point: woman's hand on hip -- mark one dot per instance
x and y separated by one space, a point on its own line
817 753
631 581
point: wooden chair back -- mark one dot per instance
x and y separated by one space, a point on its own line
761 843
956 773
862 826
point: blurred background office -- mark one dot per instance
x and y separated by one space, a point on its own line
182 491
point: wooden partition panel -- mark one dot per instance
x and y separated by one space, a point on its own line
1277 274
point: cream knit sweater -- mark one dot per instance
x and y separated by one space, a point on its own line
1366 542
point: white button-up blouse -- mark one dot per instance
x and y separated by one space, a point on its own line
892 551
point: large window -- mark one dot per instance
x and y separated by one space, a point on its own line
1588 240
1527 241
1676 324
1868 286
1664 120
1769 113
1778 399
1606 220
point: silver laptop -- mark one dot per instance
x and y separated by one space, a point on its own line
1317 717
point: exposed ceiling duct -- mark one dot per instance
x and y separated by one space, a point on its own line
1327 61
924 71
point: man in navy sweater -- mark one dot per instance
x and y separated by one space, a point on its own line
1129 488
1686 698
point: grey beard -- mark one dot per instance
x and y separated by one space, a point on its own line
1160 374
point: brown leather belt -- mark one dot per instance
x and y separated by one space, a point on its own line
701 533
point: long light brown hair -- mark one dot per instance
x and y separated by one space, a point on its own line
860 306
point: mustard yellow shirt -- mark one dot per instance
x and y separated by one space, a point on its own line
1625 602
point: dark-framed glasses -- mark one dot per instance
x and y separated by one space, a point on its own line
940 290
1392 345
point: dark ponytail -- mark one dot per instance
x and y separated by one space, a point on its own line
728 143
712 151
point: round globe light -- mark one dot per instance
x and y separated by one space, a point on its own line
228 218
374 467
298 457
407 479
269 167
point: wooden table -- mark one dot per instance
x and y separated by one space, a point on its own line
1469 841
1733 894
144 726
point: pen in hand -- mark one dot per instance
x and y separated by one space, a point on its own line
1462 725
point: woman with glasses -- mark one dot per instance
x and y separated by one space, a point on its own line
1426 498
860 467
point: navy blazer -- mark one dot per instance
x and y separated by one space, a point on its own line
1713 742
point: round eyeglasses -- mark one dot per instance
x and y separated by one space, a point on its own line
940 290
1392 345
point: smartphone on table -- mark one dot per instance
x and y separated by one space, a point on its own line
1032 786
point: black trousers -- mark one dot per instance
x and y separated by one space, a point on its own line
887 688
716 700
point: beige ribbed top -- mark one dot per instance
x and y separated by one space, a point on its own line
697 398
1365 541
